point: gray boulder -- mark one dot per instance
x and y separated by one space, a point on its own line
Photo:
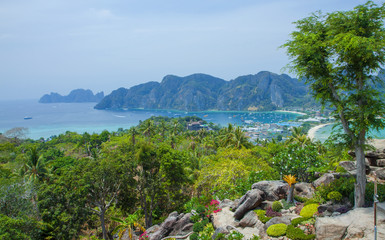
166 227
286 219
325 179
348 165
183 225
249 220
273 190
249 201
381 162
303 189
380 173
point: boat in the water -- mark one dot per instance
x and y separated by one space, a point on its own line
27 117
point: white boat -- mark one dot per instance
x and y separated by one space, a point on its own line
27 117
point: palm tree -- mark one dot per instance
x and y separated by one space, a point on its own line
35 168
148 128
130 224
133 131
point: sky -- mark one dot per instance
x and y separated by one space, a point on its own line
60 45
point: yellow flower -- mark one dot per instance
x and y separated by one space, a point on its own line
290 179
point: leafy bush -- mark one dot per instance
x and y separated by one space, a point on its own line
194 236
311 201
299 220
301 199
198 227
195 218
309 210
262 215
200 209
369 193
335 196
297 234
277 230
277 206
343 185
235 235
301 161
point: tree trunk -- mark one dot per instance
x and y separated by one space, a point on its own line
102 211
290 196
359 196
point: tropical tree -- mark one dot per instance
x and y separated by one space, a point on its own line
130 223
337 54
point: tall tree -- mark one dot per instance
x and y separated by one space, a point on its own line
337 54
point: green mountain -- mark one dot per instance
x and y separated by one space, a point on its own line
75 96
199 92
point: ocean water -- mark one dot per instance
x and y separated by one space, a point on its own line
323 133
55 118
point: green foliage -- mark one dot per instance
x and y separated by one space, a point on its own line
19 228
198 227
299 220
298 234
300 199
262 215
343 185
277 230
287 205
220 173
370 193
309 210
299 160
335 196
277 206
235 235
337 53
194 236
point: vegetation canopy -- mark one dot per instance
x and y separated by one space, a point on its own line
337 54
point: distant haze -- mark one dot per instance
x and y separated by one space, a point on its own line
59 45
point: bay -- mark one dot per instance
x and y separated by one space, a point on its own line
323 133
55 118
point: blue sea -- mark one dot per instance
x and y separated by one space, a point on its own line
55 118
323 133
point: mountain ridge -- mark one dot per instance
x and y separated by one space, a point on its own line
199 92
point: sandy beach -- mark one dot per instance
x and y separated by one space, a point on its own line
284 111
313 130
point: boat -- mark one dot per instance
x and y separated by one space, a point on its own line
27 117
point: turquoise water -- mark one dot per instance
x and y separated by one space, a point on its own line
323 133
56 118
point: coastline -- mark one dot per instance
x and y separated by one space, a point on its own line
284 111
313 130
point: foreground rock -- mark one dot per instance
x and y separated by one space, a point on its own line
249 201
355 224
175 225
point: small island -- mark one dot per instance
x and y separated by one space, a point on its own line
75 96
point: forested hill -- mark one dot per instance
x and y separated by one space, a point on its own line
199 92
77 95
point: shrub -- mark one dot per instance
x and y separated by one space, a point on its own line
194 236
297 234
335 196
235 235
277 230
287 205
369 193
262 215
277 206
299 220
195 218
309 210
301 199
198 227
220 236
200 209
271 213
